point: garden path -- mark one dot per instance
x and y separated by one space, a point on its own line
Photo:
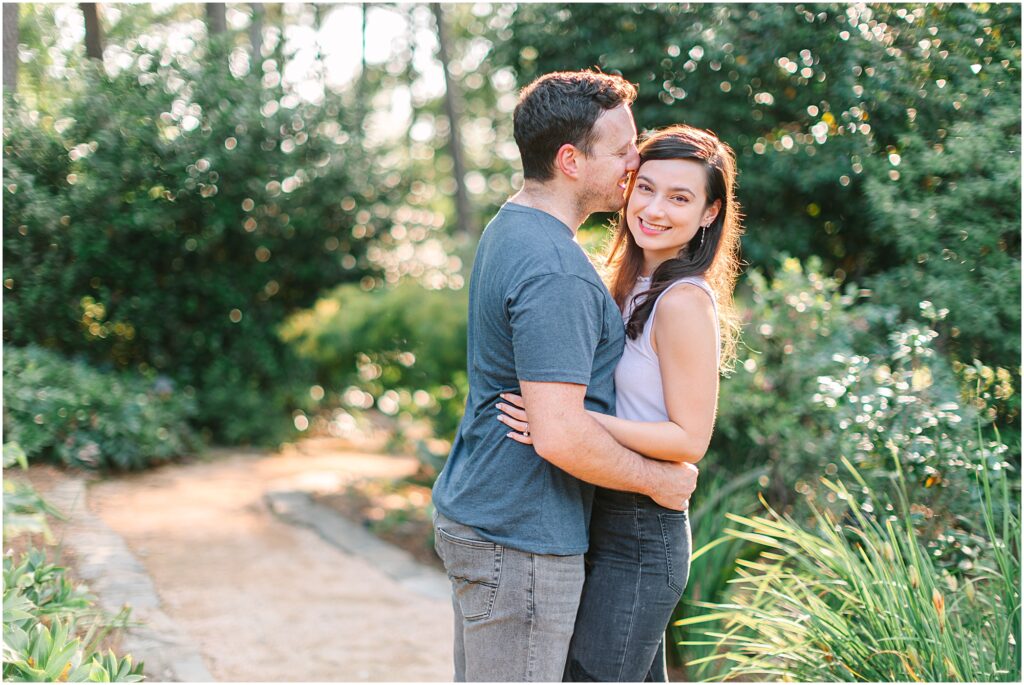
263 600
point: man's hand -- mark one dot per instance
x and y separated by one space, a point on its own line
566 436
677 482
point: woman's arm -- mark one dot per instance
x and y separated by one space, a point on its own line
685 340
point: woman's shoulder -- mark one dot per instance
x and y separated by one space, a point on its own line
692 290
684 311
686 296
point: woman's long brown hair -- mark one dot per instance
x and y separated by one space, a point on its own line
716 255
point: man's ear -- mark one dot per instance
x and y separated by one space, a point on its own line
567 160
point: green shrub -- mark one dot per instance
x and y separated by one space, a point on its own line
51 630
858 597
402 349
24 510
171 215
828 369
794 326
70 412
825 104
943 245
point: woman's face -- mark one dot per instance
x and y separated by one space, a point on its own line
668 206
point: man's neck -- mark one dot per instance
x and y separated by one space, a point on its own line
559 203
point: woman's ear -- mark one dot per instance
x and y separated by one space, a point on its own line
567 160
711 213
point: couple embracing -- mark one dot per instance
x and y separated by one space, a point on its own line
562 510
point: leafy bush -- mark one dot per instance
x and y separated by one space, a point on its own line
402 349
795 325
905 397
945 249
73 413
858 597
828 369
871 135
171 215
833 377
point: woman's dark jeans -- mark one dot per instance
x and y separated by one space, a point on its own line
637 567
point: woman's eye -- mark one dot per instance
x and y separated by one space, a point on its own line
644 187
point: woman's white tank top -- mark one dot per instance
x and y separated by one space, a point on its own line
639 395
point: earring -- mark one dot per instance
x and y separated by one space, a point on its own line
700 240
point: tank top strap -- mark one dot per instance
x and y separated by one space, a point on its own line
645 337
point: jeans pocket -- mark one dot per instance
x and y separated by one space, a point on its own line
675 530
474 568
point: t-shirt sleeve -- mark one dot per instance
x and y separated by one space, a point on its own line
556 322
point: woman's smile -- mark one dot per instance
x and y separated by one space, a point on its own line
651 228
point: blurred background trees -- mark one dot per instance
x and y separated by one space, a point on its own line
252 221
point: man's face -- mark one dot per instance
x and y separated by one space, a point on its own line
613 158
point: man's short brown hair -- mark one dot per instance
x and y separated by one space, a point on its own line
562 107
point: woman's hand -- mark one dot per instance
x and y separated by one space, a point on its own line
514 416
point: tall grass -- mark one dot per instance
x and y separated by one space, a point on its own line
713 561
856 597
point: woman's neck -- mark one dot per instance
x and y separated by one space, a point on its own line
652 261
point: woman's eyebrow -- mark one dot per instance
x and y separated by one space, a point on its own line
674 189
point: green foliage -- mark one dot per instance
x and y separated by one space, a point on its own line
403 348
51 629
833 378
904 396
795 324
825 105
24 510
172 214
951 222
73 413
831 372
714 558
42 616
855 597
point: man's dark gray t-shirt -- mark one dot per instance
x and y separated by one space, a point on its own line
538 311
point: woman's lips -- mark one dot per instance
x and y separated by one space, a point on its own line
650 229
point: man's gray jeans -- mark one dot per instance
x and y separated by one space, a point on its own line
514 611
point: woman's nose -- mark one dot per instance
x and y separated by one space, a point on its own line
655 208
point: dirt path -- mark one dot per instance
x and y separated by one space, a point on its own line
263 600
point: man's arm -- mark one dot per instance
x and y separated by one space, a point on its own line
567 437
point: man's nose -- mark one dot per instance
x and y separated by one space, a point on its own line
634 160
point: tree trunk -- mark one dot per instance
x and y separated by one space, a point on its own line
93 31
11 47
462 211
256 34
361 85
216 18
362 52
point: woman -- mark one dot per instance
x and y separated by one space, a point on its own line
672 265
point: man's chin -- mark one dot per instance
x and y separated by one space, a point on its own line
615 206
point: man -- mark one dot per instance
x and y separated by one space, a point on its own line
511 524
